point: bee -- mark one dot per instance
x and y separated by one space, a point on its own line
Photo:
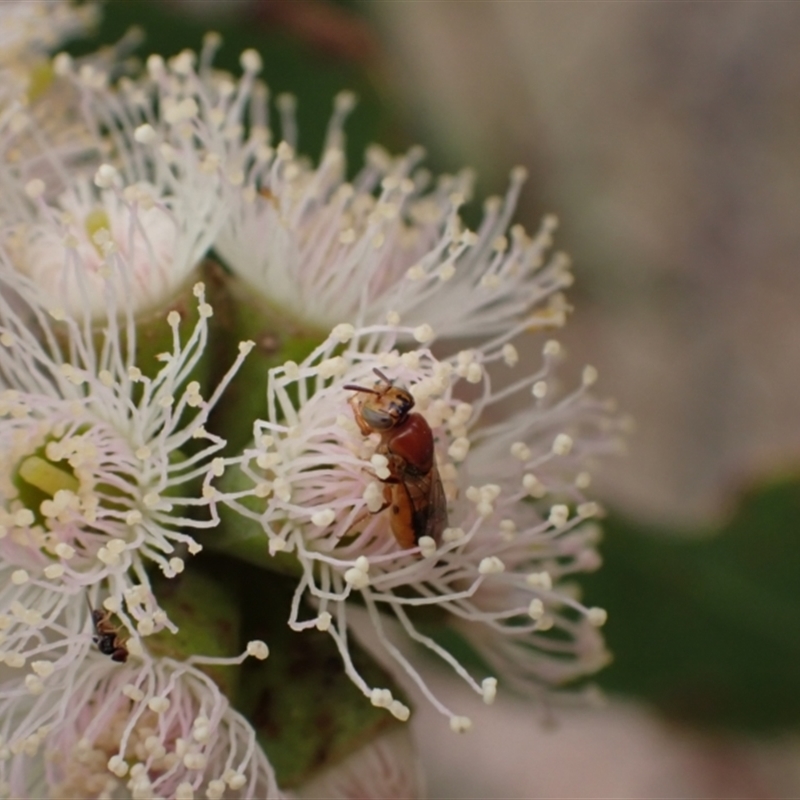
413 491
106 636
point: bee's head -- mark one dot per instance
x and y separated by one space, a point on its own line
386 405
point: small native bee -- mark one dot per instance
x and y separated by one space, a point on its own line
413 491
106 636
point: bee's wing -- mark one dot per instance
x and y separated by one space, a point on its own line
428 503
437 507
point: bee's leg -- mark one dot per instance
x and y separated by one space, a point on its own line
366 514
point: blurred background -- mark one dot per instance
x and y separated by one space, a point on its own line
666 137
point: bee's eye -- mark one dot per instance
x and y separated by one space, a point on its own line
380 420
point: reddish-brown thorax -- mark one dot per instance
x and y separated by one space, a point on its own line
412 440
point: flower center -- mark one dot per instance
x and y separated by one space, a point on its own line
98 228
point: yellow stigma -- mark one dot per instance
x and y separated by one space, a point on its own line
95 222
46 477
41 78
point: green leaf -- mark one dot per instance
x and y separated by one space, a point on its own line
247 316
308 714
208 621
705 626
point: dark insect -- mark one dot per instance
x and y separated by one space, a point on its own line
106 636
413 491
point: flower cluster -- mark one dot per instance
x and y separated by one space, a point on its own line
512 488
406 485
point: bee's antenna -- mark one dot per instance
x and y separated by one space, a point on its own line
355 388
382 376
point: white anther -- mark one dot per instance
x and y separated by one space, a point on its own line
44 669
489 689
158 704
117 765
510 354
324 620
235 780
551 348
322 519
133 692
423 333
216 789
559 514
381 465
250 60
539 389
381 698
452 534
145 134
146 626
540 580
35 188
193 760
343 332
536 609
562 444
427 546
357 578
491 565
399 710
533 485
277 545
176 565
474 373
257 649
458 449
597 616
184 791
19 576
106 176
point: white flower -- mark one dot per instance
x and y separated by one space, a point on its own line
138 212
324 499
155 727
319 250
385 246
102 463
